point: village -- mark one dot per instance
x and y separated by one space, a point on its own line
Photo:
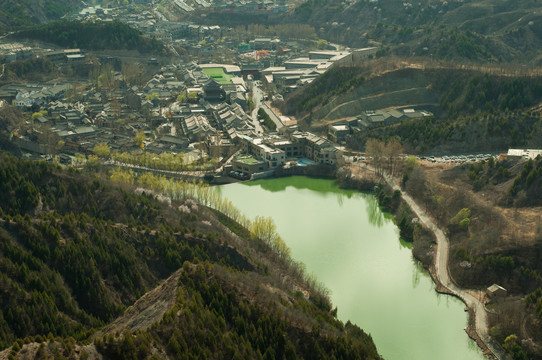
208 112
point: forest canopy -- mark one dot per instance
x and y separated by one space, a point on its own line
92 36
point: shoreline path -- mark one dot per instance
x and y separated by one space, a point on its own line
443 276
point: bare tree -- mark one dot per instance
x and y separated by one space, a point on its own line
393 150
375 151
50 139
107 80
11 117
132 73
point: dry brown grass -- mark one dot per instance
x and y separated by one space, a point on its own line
517 227
381 66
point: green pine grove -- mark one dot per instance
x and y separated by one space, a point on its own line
92 36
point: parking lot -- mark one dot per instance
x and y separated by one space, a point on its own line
454 159
444 159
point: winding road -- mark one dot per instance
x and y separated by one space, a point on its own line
441 269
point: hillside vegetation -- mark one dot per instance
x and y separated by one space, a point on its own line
77 251
490 211
92 36
15 13
475 110
475 30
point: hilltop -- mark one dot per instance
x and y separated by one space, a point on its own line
475 30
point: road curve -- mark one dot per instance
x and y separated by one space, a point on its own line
441 270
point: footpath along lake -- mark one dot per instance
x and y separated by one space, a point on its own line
355 251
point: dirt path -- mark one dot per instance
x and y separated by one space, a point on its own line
481 331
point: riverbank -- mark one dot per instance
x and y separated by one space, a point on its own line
352 246
434 258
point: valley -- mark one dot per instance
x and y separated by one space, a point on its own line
123 122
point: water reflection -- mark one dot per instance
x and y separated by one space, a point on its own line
340 199
376 217
375 282
417 273
301 183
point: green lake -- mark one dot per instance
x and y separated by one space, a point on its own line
354 249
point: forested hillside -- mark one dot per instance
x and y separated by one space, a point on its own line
76 251
30 12
92 36
475 30
475 110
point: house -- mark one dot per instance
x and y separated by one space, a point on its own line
337 133
262 43
196 127
495 291
238 98
218 145
290 148
317 148
248 164
213 91
524 153
272 157
364 54
169 143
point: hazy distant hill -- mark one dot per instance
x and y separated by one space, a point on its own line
28 12
476 109
492 30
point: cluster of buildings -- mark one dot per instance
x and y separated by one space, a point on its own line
216 122
338 131
190 107
298 71
261 156
15 51
250 7
524 153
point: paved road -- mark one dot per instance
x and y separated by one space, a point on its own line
441 269
257 97
195 174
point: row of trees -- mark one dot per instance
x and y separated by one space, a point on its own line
262 230
166 161
270 124
384 156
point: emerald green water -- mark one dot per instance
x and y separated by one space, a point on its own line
354 249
